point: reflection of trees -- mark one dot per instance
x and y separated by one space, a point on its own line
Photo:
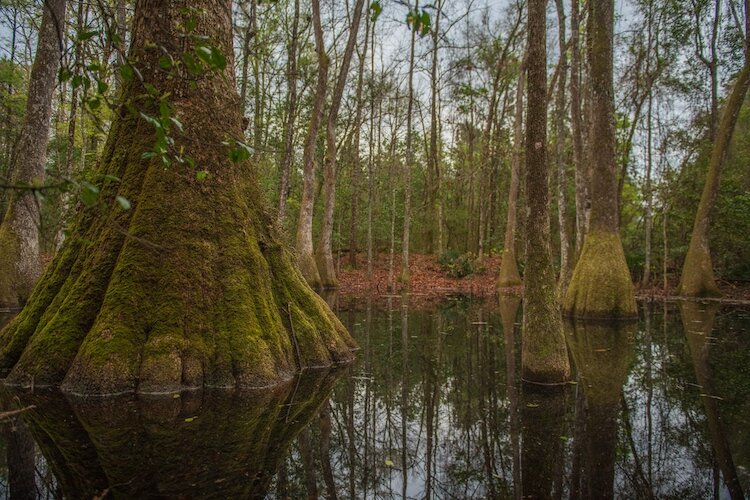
212 443
603 354
698 321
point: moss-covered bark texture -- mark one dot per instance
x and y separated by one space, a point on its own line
190 287
544 358
601 286
216 444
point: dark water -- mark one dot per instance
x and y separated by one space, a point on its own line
432 408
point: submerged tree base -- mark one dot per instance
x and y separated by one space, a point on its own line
508 276
191 287
697 274
601 287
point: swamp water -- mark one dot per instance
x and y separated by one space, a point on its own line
432 407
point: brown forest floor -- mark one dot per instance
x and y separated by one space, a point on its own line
429 281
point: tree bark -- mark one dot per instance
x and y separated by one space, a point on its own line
192 286
20 259
697 272
576 126
405 275
355 147
544 356
508 266
286 164
560 136
601 286
324 253
304 246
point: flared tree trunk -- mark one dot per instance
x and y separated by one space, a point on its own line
191 287
601 286
697 272
508 275
544 358
20 260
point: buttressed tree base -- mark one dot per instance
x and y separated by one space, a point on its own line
191 286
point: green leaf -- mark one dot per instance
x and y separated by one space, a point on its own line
94 103
165 62
217 59
201 175
127 73
123 202
150 119
89 193
190 419
101 86
240 153
375 9
389 462
87 35
193 67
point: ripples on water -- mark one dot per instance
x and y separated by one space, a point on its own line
432 408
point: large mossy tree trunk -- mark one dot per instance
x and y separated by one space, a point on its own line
601 286
20 259
697 278
192 286
544 357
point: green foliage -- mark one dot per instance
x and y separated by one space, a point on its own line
457 265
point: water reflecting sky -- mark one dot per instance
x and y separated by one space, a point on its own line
431 408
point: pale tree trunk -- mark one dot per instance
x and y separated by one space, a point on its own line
373 155
601 286
648 216
433 167
509 275
355 147
405 277
560 136
304 246
286 164
324 252
697 272
20 259
576 125
544 357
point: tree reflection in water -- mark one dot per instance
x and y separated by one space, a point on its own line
432 408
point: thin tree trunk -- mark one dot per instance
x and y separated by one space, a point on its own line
433 169
356 159
544 355
20 259
324 253
304 247
579 159
286 165
560 136
509 275
405 276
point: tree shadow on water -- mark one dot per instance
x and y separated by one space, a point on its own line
205 444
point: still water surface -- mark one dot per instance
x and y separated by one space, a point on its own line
433 407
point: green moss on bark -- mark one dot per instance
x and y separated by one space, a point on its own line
601 286
191 287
